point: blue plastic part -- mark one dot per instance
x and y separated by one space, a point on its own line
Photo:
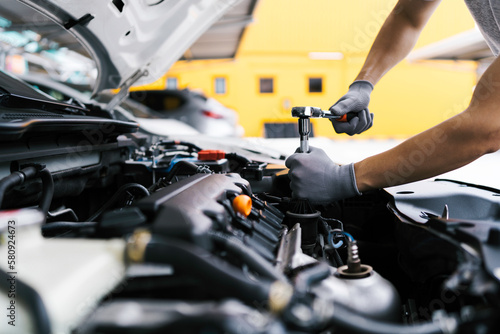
331 243
348 235
176 160
339 243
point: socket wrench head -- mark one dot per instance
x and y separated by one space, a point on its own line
304 130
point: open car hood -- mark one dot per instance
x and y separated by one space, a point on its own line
133 41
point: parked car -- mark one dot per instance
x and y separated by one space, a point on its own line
104 229
205 114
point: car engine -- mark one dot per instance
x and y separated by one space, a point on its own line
109 231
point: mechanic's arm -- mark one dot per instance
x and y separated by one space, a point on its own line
447 146
397 37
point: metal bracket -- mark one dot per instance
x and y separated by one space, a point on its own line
123 93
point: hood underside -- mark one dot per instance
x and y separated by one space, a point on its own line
137 41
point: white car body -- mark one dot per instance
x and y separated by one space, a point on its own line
138 43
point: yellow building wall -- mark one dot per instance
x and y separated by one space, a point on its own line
409 99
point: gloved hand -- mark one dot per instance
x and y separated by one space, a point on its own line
355 100
315 177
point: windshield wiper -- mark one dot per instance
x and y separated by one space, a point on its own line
23 102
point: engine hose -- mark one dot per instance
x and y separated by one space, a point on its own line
247 255
222 278
219 323
312 275
48 190
187 168
352 323
189 145
113 199
29 298
63 227
15 179
241 160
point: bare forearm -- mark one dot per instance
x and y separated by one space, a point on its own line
393 43
430 153
447 146
396 38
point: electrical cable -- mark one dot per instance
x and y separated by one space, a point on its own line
329 221
337 258
331 232
117 194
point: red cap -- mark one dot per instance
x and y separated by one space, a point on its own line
211 155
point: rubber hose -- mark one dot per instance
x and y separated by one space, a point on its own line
177 142
352 323
187 168
14 179
66 226
309 276
30 299
115 197
247 255
222 278
220 323
241 160
9 182
48 190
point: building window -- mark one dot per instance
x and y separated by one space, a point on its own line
315 85
172 83
266 85
220 85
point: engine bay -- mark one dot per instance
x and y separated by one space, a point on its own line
139 234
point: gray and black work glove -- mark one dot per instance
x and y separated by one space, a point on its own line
355 100
315 177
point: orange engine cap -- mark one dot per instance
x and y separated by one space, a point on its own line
242 204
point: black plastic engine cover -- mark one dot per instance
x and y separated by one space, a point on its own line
189 208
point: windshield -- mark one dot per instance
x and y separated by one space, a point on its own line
32 43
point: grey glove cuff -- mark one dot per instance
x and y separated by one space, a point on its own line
347 189
364 84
